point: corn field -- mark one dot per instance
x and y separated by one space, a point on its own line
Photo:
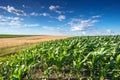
76 58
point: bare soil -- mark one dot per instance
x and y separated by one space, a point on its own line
9 42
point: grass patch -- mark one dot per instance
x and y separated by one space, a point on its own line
13 36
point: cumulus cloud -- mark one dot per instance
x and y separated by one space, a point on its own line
61 17
13 10
56 9
14 18
11 18
80 24
59 12
39 14
53 7
22 13
10 21
15 22
4 18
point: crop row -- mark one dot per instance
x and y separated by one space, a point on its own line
87 57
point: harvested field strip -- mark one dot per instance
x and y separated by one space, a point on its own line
12 45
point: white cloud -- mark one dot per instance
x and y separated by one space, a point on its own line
13 10
80 24
61 17
44 14
11 18
10 21
53 7
39 14
15 22
56 9
59 12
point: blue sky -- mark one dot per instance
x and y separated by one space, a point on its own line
60 17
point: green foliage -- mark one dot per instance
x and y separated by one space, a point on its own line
13 36
90 57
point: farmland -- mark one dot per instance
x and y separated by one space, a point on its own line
12 36
10 44
86 57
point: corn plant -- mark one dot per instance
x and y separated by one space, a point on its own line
86 57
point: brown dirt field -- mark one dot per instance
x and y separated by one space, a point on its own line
9 42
